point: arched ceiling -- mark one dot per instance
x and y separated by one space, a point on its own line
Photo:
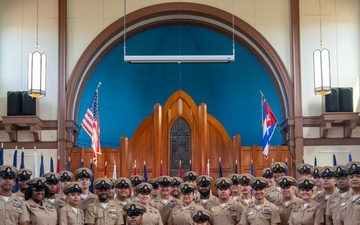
129 91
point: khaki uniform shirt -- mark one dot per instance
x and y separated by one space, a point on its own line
313 213
110 215
61 196
227 213
58 203
349 212
181 215
151 217
11 211
205 201
67 215
273 194
20 195
322 198
121 204
84 203
44 214
244 202
333 205
285 210
266 214
164 208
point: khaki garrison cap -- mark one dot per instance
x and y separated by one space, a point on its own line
66 175
122 182
201 215
143 188
258 182
136 179
83 172
304 168
73 187
234 178
353 167
223 182
267 173
52 177
306 183
102 183
340 171
245 178
164 181
176 181
278 167
204 180
187 187
327 171
134 209
286 181
8 171
38 182
315 171
24 174
190 175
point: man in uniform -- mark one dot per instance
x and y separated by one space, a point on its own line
328 181
83 176
134 213
155 188
103 211
335 200
23 176
10 205
289 200
235 188
246 197
135 180
175 190
273 193
315 172
278 169
123 191
152 215
261 211
304 169
225 210
202 216
65 178
112 189
204 188
349 210
191 177
164 202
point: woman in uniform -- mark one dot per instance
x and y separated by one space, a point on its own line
36 210
71 213
307 212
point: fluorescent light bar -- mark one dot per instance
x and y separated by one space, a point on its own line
179 58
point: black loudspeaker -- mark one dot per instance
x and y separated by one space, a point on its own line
28 104
14 103
332 101
346 100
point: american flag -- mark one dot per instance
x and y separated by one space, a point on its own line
269 125
91 125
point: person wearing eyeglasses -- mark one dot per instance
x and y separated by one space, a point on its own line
36 210
261 211
71 213
134 213
201 216
308 212
65 178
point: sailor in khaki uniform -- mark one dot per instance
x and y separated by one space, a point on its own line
308 212
225 210
289 200
134 213
152 215
112 189
261 211
155 187
315 172
349 212
175 187
278 169
71 213
235 188
335 200
52 182
10 204
123 191
246 197
202 216
83 176
135 180
102 210
304 169
328 182
204 189
191 176
36 210
181 215
164 202
23 176
65 178
273 193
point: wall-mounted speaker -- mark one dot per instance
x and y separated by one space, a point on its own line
14 103
340 100
332 101
28 104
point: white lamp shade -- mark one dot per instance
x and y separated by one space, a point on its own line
36 74
322 71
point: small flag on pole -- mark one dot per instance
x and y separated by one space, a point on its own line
350 157
334 160
269 125
114 171
302 161
134 173
287 165
236 170
180 170
51 164
207 172
315 161
58 165
161 168
145 172
35 165
82 163
190 166
16 187
42 170
252 169
220 168
2 154
22 164
91 188
105 170
68 164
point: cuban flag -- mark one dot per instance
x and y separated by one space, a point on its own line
269 125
